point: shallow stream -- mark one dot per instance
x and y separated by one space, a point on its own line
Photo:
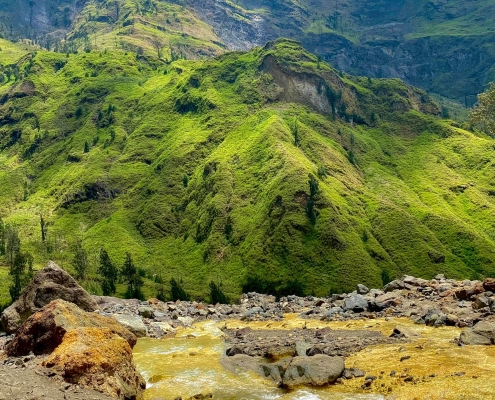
183 366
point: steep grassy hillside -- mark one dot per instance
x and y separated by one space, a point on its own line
265 164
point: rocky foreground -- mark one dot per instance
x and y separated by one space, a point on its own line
68 343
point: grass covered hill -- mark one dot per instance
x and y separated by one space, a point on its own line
267 165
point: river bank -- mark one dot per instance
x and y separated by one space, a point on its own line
412 336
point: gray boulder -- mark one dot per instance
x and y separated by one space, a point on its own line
145 311
468 337
481 301
411 280
132 322
242 362
330 313
251 313
318 370
394 285
386 300
356 303
361 289
435 318
51 283
483 333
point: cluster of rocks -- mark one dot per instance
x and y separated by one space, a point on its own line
276 344
435 302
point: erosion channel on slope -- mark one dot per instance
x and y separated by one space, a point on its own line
430 366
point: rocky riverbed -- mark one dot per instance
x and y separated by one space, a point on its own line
437 302
84 342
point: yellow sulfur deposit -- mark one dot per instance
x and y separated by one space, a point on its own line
433 366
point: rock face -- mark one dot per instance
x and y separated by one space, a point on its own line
97 358
318 370
44 331
49 284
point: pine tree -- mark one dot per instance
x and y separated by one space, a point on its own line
80 261
132 278
12 243
109 273
177 292
313 192
2 237
216 294
86 147
17 264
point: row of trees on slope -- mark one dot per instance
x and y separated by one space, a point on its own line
20 264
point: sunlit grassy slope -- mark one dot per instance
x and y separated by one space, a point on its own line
201 170
161 29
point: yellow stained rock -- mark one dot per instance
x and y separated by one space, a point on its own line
99 359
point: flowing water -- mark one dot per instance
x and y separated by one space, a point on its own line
184 366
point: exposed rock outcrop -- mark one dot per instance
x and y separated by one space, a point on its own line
99 359
84 348
51 283
44 331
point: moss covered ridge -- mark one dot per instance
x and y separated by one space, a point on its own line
267 164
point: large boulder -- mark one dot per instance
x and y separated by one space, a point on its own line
483 333
435 318
386 300
44 331
318 370
489 284
356 303
394 285
132 322
51 283
99 359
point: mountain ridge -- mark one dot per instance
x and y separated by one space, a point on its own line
427 44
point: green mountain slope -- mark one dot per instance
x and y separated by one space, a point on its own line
263 164
429 44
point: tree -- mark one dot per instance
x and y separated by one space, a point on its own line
109 273
12 244
313 192
216 294
44 228
86 147
18 262
177 292
484 112
132 278
2 237
158 45
16 270
80 261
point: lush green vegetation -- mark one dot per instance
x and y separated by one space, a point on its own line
264 169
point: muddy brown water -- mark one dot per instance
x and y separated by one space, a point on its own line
184 366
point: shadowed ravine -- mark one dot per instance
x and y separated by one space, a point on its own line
439 368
